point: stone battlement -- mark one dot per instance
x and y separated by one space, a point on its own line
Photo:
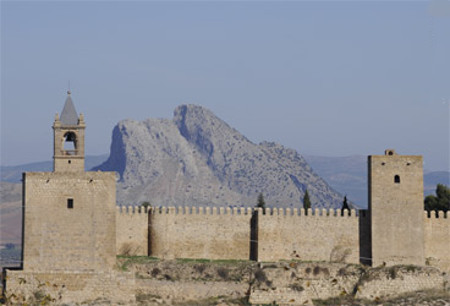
273 233
438 215
189 210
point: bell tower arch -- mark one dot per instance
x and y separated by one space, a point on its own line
68 139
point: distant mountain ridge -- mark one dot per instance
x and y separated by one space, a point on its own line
13 174
347 175
198 159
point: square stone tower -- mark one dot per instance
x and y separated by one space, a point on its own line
396 209
69 214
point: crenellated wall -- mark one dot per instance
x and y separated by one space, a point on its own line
213 233
281 234
132 231
322 235
437 240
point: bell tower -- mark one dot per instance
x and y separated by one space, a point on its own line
68 139
69 226
69 214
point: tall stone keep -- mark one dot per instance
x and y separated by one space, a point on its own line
68 139
396 209
69 214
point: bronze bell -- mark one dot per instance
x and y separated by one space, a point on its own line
70 137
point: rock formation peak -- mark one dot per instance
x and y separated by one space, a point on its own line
198 159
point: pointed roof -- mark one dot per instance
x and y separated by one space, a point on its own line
69 114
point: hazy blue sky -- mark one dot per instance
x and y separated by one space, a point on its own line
325 78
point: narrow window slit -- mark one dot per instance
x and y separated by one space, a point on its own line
70 203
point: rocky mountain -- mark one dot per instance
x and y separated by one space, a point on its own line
198 159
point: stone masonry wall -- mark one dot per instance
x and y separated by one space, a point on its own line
322 236
59 238
396 280
213 233
437 240
132 231
36 288
298 283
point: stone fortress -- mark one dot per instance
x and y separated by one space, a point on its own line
73 230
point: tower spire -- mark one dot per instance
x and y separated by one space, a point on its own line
69 115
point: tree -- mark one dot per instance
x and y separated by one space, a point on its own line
306 201
146 204
344 206
439 202
261 203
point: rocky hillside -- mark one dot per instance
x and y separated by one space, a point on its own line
198 159
190 282
227 282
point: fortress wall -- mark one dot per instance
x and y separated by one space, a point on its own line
213 233
324 235
132 231
437 240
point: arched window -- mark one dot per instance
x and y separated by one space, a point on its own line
397 179
70 143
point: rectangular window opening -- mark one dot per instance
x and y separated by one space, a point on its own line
70 203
